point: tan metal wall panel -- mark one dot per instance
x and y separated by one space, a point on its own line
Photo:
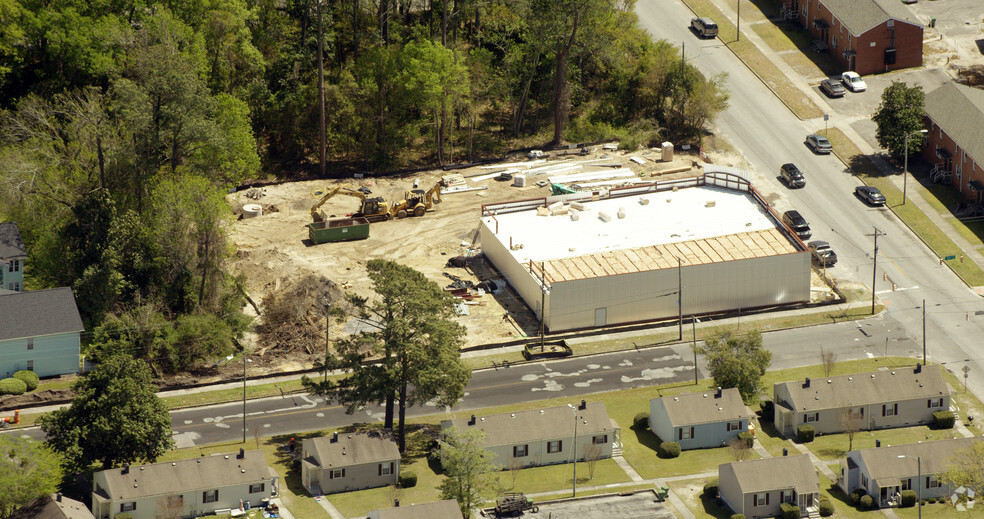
515 273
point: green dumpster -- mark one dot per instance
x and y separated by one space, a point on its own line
340 229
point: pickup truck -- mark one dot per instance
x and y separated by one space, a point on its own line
822 253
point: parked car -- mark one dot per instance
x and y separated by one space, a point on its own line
870 194
853 82
819 46
822 254
792 175
704 27
797 223
832 88
819 144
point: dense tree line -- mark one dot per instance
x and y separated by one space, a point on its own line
125 121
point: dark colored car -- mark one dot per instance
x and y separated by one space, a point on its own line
792 175
819 144
870 194
797 223
822 254
832 88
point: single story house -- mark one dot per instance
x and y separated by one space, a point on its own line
13 254
545 436
446 509
756 488
40 332
55 506
899 397
699 420
186 488
341 463
866 36
884 472
953 144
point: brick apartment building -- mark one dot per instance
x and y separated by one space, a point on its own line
866 36
955 144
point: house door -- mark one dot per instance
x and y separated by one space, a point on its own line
806 501
601 317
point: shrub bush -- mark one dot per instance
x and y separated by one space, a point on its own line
669 450
641 421
789 511
711 488
407 479
943 420
805 433
856 495
866 503
29 377
737 516
747 437
12 386
768 411
908 498
826 508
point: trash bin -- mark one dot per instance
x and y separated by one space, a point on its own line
667 149
932 22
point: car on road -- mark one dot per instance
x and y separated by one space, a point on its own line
792 175
832 88
797 223
853 82
822 254
704 27
819 144
870 194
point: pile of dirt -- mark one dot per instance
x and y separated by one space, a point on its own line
35 398
294 319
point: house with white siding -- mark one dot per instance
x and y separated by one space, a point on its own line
757 488
699 420
345 462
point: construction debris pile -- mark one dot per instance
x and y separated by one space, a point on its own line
293 319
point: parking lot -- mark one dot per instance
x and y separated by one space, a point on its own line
641 505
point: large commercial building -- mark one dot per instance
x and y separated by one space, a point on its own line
709 244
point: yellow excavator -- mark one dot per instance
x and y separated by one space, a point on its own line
417 201
374 209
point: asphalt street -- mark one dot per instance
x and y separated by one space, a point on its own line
767 134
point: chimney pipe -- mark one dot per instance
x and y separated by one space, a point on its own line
58 497
877 443
126 468
785 451
918 367
471 421
396 503
334 437
242 453
807 384
584 404
718 394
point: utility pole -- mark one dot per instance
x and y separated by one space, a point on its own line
874 266
327 334
924 332
738 19
683 58
694 323
321 92
680 293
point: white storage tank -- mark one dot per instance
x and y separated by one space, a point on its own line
252 210
519 180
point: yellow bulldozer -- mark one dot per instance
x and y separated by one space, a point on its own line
416 202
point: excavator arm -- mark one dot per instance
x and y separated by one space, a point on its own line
315 209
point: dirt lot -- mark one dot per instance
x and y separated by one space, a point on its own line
273 249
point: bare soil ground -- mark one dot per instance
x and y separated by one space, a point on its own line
273 250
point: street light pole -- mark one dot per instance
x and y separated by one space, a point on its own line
680 293
905 168
574 488
327 334
245 360
693 322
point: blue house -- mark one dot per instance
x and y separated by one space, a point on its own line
13 254
39 331
699 420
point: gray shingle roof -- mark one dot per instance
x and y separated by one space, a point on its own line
11 245
353 449
538 424
53 507
842 391
860 16
959 109
446 509
884 462
782 472
204 473
704 407
39 312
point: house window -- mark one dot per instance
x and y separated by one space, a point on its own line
685 433
16 265
734 426
907 484
600 439
890 409
30 344
785 496
210 496
833 42
932 482
760 499
128 507
864 482
336 473
520 451
385 469
555 446
30 365
257 487
935 402
811 417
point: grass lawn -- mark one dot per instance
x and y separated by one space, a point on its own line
233 394
770 439
941 511
691 492
842 504
935 237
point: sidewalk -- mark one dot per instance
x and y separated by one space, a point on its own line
914 196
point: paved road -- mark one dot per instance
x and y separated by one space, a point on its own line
767 135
